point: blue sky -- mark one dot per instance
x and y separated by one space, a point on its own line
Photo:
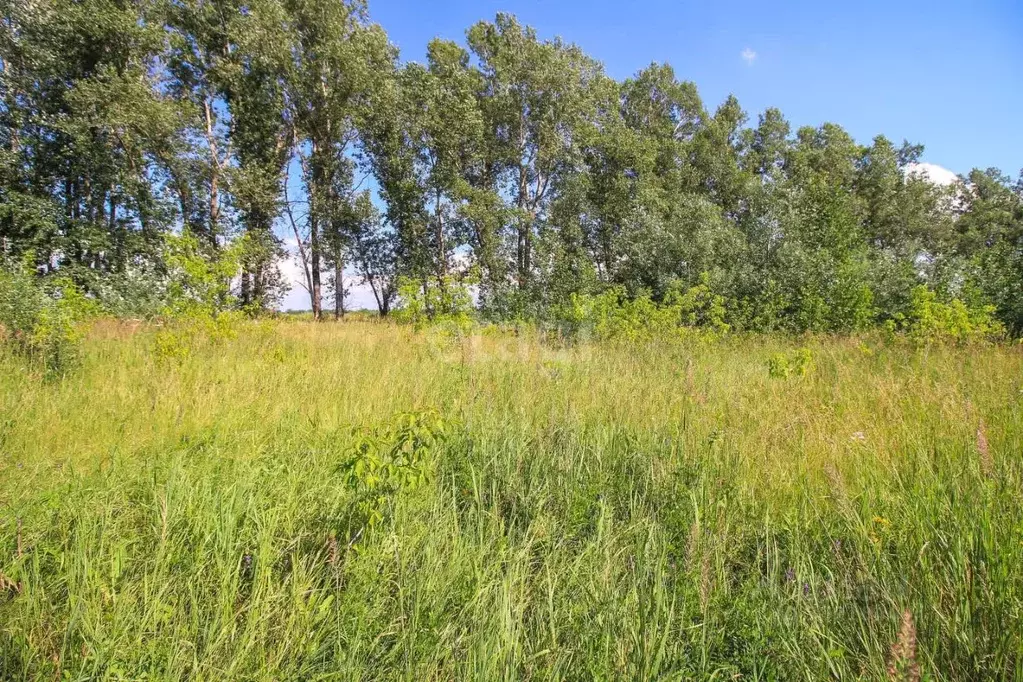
945 74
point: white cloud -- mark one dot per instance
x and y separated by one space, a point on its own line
933 172
748 56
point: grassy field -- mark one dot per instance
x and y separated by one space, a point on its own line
360 501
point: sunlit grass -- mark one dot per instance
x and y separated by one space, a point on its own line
642 512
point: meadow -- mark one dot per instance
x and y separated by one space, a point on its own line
363 501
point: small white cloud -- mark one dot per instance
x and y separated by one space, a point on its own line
748 56
933 172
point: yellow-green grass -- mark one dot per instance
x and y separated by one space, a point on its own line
653 511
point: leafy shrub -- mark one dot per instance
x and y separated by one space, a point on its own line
391 460
41 318
795 363
199 283
445 301
193 281
614 315
171 344
699 307
179 336
140 292
199 306
930 320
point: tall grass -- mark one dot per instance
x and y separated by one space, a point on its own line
591 512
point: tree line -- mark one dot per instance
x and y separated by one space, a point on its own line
507 162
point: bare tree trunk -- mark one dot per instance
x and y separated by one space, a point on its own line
259 285
246 286
339 289
215 166
304 257
314 267
521 202
442 255
527 265
114 231
524 229
426 299
381 303
315 194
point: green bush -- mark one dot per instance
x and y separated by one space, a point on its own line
614 315
930 320
390 460
795 363
137 293
198 307
698 306
446 301
199 283
41 317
